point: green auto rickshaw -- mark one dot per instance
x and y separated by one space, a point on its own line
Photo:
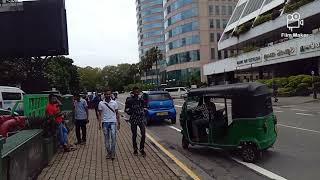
250 127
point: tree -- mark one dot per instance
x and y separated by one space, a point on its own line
153 56
62 74
145 65
91 78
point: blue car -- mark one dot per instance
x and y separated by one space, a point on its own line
160 106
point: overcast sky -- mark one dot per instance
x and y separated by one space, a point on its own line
102 32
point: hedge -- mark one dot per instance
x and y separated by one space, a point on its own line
300 85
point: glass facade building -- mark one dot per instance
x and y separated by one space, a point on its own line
151 32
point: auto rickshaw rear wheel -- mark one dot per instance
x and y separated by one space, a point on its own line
185 143
249 153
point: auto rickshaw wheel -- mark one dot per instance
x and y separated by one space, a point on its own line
249 153
185 143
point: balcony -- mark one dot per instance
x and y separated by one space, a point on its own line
268 29
294 49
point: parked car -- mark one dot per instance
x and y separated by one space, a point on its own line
160 106
177 92
9 96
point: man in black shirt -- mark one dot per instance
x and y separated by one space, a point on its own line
135 108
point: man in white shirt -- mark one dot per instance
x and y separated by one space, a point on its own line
110 118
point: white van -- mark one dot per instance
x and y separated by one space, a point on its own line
177 92
9 96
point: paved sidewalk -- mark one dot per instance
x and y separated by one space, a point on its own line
88 162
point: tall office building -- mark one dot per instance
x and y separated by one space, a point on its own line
269 38
151 33
192 31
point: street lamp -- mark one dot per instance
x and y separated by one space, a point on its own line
313 86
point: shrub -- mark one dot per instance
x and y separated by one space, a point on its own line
244 28
295 4
262 18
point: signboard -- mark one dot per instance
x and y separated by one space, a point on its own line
247 61
280 53
314 46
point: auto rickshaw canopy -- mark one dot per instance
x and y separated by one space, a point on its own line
248 100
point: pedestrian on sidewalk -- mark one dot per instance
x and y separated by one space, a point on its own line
110 118
81 115
275 90
135 108
54 113
96 100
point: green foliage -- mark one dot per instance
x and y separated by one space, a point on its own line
243 28
250 48
295 4
62 74
142 87
262 18
292 86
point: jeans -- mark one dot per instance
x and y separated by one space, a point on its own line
134 135
62 134
110 129
81 124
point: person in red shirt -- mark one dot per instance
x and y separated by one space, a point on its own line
53 111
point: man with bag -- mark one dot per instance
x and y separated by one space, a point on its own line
135 108
110 118
81 115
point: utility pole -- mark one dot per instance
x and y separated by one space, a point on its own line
313 86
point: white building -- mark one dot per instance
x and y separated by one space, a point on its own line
269 38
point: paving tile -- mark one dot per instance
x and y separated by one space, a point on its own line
89 162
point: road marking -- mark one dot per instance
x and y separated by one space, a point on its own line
178 106
288 106
299 110
278 111
260 170
275 107
309 130
303 114
176 160
250 165
177 129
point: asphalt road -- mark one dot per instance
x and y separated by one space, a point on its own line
295 155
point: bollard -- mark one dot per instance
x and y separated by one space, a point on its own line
2 141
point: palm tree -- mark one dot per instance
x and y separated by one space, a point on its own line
153 55
145 65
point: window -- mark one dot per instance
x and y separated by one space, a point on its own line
225 54
224 23
218 36
183 57
182 29
211 10
230 10
219 55
218 23
181 16
157 97
11 96
211 37
211 23
213 53
223 10
217 10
